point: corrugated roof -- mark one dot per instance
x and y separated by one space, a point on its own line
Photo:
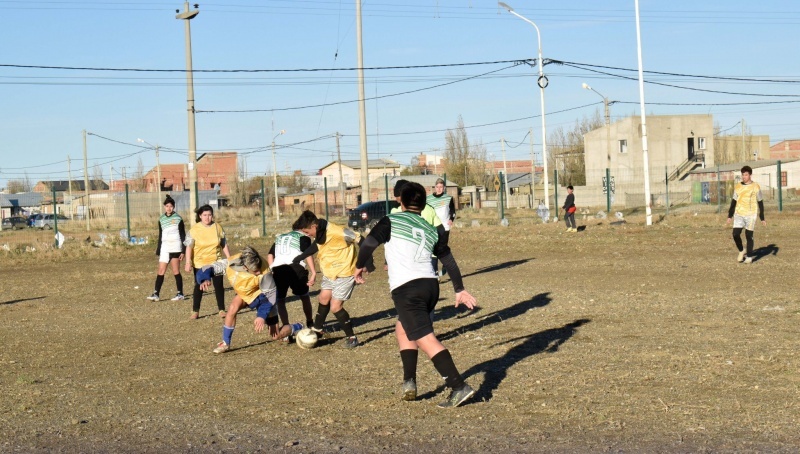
23 199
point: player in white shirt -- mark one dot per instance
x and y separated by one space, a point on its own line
170 248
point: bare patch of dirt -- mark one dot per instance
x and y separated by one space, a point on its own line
616 338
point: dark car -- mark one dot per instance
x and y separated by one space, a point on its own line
366 215
14 222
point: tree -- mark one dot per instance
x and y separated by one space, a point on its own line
463 162
414 169
97 178
566 150
138 176
15 186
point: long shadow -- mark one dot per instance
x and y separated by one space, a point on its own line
495 370
498 266
540 300
764 251
23 300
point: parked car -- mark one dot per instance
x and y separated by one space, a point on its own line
48 221
14 222
366 215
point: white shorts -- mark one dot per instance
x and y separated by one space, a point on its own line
165 256
341 287
744 222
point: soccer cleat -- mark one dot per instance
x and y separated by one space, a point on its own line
740 259
194 316
178 297
222 347
350 342
319 332
154 297
573 230
748 260
458 396
409 390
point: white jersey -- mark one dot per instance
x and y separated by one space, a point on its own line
170 233
287 247
409 249
441 205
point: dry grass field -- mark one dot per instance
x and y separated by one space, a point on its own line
619 338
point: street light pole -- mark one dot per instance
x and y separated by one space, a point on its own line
186 16
542 82
275 175
608 123
645 159
362 110
158 167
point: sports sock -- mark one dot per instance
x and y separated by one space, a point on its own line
344 322
409 358
227 333
322 314
444 364
748 234
159 283
179 282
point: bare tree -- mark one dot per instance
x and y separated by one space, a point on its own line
138 176
464 162
15 186
97 178
566 149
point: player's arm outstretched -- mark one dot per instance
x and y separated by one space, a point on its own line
442 250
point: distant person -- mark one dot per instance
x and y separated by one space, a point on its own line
409 243
569 210
337 261
298 277
170 249
445 208
205 244
255 288
746 204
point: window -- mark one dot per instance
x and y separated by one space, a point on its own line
701 143
623 146
783 179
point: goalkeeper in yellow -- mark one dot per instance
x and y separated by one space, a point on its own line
747 203
255 288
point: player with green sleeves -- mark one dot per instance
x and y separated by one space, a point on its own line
445 207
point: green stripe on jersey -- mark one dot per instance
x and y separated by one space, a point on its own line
407 225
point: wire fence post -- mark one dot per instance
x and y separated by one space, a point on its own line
502 197
780 188
325 185
555 191
608 190
55 217
263 210
128 211
719 191
386 188
666 185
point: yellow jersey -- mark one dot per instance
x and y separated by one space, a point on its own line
207 240
337 256
428 213
747 197
245 284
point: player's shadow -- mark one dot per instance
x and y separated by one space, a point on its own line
495 370
22 300
497 267
540 300
581 228
764 251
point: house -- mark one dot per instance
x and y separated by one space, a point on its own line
215 171
21 204
677 144
351 171
785 149
64 186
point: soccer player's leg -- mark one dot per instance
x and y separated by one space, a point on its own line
282 288
342 290
323 307
229 325
300 288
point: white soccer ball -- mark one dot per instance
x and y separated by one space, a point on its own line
306 338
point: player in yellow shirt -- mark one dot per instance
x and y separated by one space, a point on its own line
205 244
255 288
747 203
335 247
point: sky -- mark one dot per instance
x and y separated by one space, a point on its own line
430 62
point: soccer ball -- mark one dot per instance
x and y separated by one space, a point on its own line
306 338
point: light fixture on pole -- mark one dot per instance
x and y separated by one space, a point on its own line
186 16
542 82
275 175
608 123
158 166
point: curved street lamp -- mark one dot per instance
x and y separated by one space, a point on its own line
542 82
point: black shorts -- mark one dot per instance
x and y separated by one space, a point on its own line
287 276
415 301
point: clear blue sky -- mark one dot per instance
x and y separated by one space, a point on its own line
43 111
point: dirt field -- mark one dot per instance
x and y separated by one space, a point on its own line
615 338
